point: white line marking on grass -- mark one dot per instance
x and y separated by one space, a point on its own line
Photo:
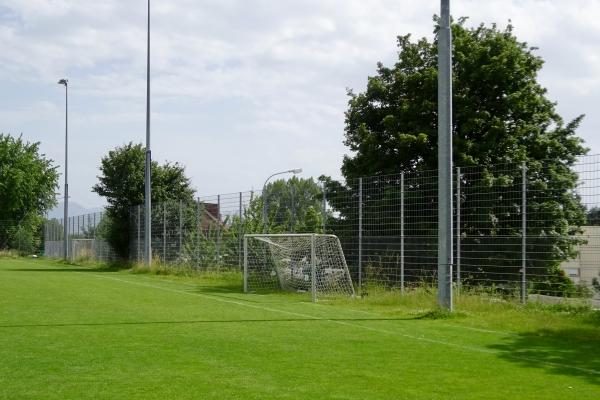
483 330
354 325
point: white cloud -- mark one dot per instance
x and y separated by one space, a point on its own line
241 88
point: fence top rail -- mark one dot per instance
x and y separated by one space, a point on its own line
251 235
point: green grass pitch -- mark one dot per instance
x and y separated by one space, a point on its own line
69 332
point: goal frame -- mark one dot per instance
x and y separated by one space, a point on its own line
313 257
74 241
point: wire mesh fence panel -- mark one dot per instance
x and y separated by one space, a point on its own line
87 238
491 220
205 234
341 218
519 229
399 229
584 268
23 236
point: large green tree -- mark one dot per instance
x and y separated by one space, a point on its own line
122 184
502 118
28 182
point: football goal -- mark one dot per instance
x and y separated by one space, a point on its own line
312 263
81 249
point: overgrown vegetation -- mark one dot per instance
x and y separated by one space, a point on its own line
122 184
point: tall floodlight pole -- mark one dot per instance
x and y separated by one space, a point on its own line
445 158
66 200
148 174
264 193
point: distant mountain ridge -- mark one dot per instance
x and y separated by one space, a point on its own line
74 210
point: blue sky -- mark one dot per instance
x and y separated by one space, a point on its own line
242 89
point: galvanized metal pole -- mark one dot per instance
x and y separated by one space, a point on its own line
245 264
240 233
72 234
445 158
524 233
198 232
139 241
458 233
402 232
218 229
66 199
180 228
164 232
313 268
360 233
148 167
324 208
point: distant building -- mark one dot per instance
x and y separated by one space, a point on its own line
586 266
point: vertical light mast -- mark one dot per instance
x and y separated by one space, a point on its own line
148 171
445 158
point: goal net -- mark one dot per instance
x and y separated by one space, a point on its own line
311 263
82 249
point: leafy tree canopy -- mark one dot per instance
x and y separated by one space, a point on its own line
293 205
502 118
501 114
122 184
28 184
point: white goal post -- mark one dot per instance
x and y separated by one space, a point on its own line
301 262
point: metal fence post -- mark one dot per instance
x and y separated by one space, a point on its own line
313 268
240 233
458 200
524 233
20 234
245 264
139 209
293 216
70 242
360 217
218 253
198 232
165 232
180 229
324 208
402 232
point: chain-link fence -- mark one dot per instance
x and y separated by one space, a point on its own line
86 238
22 237
519 229
206 233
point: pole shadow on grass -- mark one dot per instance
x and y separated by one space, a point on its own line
574 352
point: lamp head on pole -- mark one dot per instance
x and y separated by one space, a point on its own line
63 82
295 171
